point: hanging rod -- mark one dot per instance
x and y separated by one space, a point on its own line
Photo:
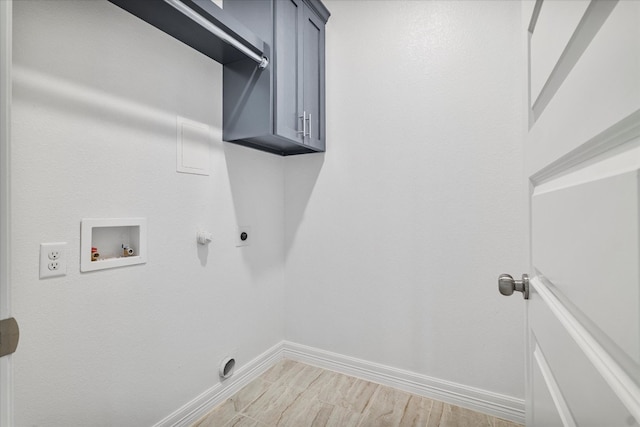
262 61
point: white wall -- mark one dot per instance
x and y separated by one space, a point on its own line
96 96
396 236
392 241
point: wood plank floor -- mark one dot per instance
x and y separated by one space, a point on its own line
298 395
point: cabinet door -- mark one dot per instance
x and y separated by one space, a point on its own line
288 69
313 80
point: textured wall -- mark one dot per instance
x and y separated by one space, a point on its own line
96 96
395 237
392 240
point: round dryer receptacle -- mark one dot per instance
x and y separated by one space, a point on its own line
227 367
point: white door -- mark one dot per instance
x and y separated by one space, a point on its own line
5 132
582 157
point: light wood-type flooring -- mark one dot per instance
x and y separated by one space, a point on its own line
298 395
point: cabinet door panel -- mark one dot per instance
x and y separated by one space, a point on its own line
313 70
288 65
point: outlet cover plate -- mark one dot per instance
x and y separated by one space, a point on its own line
53 259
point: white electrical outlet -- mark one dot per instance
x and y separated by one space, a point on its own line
243 236
53 259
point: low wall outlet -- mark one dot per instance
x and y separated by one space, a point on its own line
53 259
243 236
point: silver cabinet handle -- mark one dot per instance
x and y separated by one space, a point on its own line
304 124
309 127
507 285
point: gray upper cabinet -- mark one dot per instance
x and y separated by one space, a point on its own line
280 109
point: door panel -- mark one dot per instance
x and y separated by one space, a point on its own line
589 399
288 88
601 90
550 407
313 84
585 243
582 157
555 25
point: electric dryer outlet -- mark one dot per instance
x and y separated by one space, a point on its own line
243 236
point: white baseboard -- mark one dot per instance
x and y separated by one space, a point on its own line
487 402
198 407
